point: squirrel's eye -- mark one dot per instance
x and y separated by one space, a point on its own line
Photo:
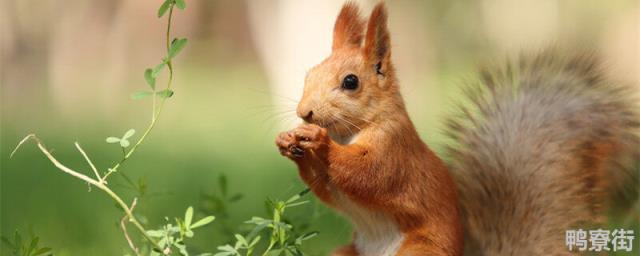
350 82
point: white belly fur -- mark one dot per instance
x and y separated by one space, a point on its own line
376 234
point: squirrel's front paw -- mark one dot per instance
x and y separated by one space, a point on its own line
305 137
288 145
311 136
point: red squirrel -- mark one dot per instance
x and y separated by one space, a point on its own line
359 152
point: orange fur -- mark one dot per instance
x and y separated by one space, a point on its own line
348 27
362 154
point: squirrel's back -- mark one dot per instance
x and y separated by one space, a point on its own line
542 145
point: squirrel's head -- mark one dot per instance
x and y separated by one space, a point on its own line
355 85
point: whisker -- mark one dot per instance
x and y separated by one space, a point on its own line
347 121
278 114
274 121
364 120
287 120
269 111
342 121
265 116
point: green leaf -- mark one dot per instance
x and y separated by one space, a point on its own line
254 242
297 203
166 93
176 47
128 134
156 233
182 248
188 216
163 8
140 95
309 235
222 182
203 221
124 143
226 248
257 229
293 198
181 4
256 220
242 240
156 70
34 245
151 81
113 140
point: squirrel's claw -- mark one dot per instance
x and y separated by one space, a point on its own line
296 151
294 143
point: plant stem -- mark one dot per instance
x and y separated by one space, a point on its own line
123 226
271 244
93 167
155 114
169 27
101 182
98 184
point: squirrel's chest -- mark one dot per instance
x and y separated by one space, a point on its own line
376 234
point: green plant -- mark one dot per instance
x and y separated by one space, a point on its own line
173 236
20 247
217 203
169 237
282 239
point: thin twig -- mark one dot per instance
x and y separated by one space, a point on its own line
55 161
160 106
124 228
91 181
153 104
30 136
101 182
93 167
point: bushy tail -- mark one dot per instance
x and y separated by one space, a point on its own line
540 149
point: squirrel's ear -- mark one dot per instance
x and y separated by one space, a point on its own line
377 45
349 27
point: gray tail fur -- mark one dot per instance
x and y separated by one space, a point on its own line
541 148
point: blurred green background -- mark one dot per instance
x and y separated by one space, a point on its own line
68 70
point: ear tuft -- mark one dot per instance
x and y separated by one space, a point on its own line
377 43
349 27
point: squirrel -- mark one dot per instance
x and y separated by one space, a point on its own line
542 144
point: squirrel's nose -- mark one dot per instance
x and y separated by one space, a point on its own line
306 115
